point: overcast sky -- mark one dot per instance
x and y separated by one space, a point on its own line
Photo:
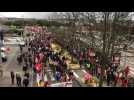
26 14
39 15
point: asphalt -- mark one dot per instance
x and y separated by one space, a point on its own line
11 65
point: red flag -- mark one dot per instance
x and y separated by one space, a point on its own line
38 67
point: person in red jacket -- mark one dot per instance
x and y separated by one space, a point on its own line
124 82
126 71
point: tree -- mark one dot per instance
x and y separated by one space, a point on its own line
109 37
111 25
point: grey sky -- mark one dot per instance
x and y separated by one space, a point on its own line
26 14
39 15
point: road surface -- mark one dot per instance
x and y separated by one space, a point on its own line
11 65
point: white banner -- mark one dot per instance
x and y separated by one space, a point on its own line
62 84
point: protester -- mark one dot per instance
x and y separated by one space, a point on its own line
25 81
109 74
126 71
18 79
12 77
19 59
3 57
21 48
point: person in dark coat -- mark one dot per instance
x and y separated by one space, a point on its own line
30 62
25 68
29 49
21 48
12 77
27 75
25 59
109 76
25 82
19 59
18 79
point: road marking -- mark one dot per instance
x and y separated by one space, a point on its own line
132 69
75 74
131 72
67 76
52 77
84 71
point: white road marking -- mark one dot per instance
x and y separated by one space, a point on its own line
84 71
131 72
67 76
75 74
131 68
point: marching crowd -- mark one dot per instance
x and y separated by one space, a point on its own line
113 75
39 57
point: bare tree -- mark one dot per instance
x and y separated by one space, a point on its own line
111 24
110 34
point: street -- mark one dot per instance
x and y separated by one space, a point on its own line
68 49
11 65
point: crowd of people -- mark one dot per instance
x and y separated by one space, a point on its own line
113 75
41 57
